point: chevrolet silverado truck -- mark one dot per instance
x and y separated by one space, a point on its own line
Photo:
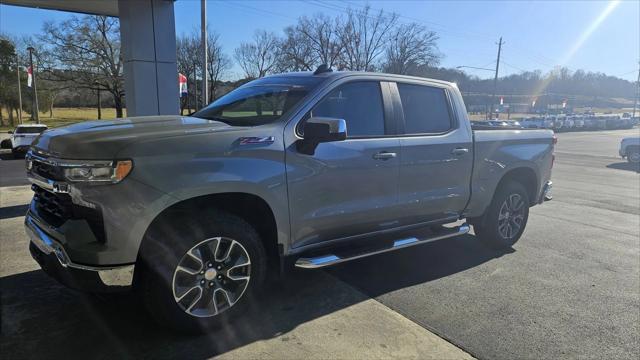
309 169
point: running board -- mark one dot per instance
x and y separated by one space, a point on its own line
331 259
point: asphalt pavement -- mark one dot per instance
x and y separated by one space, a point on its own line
570 288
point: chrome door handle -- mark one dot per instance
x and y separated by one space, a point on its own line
384 155
459 151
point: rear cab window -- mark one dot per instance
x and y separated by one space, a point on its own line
426 109
30 129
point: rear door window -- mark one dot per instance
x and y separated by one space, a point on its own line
426 109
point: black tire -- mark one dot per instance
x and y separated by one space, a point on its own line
17 154
633 155
491 230
166 245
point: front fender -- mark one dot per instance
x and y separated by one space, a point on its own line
206 164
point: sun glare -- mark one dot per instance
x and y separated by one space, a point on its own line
581 40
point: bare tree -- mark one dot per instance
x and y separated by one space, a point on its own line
410 47
321 33
87 53
188 61
363 37
260 57
218 64
296 52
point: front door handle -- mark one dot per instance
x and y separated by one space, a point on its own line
459 151
384 155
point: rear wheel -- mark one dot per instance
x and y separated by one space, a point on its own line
200 273
506 218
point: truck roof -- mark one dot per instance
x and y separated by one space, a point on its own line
340 74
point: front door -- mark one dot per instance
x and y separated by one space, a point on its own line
347 187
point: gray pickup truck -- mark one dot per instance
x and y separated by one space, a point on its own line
302 169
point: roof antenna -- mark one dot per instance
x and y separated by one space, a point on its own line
323 68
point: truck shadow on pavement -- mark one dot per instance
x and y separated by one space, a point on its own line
42 319
625 166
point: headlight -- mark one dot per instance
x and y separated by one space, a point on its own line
98 172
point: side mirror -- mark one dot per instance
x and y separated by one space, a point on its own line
10 132
321 129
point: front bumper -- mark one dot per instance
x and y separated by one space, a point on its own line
21 148
53 259
546 192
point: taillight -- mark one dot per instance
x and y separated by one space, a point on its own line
555 139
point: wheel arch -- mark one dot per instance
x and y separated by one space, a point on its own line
250 207
525 176
631 147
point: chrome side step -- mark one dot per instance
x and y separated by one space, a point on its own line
331 259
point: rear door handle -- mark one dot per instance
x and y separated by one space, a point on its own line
459 151
384 155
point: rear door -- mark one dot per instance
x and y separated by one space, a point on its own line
346 188
436 162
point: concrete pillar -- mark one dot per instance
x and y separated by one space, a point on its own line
148 46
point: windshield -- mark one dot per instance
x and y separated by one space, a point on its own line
30 129
257 103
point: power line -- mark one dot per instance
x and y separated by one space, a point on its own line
444 28
537 58
513 66
257 10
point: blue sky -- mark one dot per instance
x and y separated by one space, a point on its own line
537 35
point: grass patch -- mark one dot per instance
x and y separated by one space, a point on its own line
62 116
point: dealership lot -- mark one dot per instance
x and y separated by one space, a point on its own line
570 287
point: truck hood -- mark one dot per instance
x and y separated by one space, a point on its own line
103 139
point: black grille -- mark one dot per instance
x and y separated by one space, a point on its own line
56 209
47 171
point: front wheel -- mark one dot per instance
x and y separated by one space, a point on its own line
201 272
506 218
633 155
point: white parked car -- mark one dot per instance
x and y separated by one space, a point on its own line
630 149
22 137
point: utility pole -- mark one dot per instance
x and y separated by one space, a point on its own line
195 87
35 109
203 35
495 80
635 101
19 90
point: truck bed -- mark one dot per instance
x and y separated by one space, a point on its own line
498 151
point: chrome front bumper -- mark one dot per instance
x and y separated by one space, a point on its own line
104 277
546 192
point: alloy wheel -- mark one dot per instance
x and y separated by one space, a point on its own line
511 216
211 277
